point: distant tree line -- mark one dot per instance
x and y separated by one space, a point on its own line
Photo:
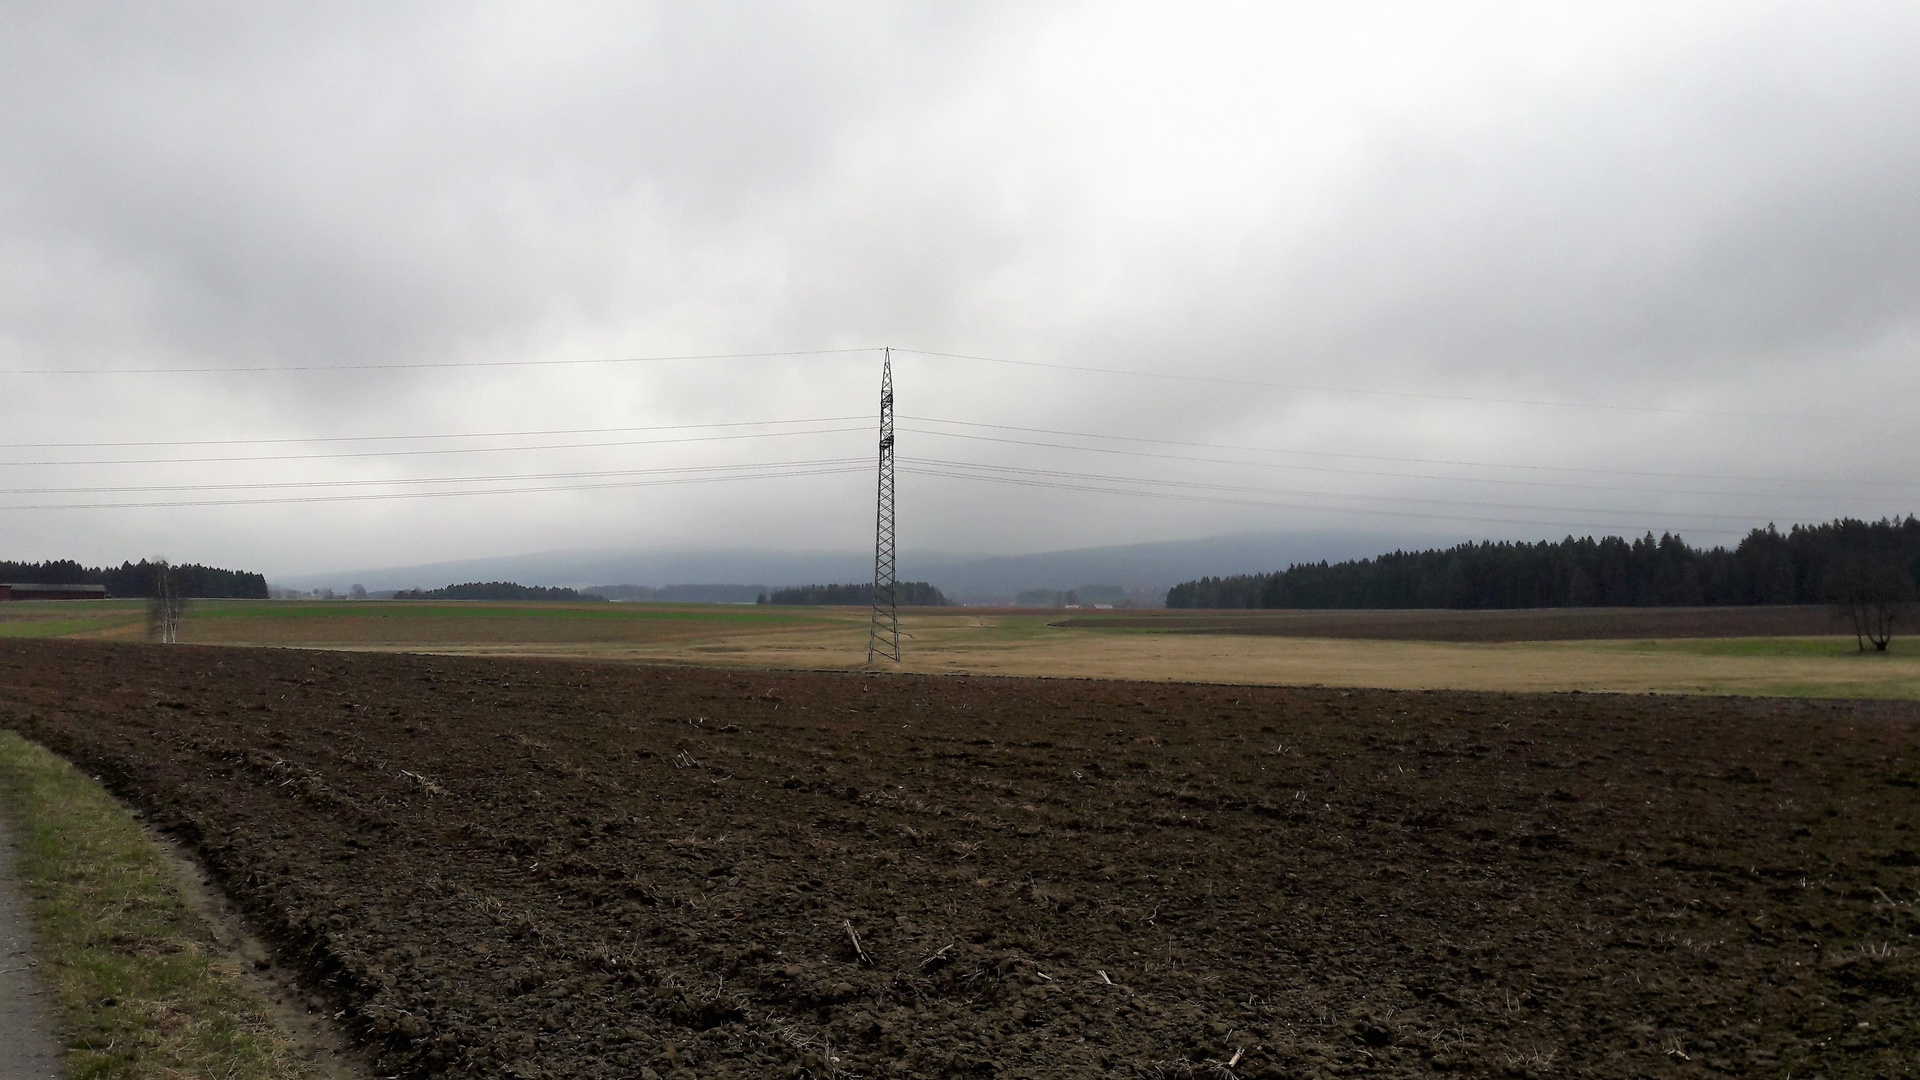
677 594
1807 564
141 579
494 590
906 593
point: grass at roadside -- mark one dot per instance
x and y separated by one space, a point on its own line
471 609
137 987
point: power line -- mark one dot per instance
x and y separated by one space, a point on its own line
1099 483
436 452
977 470
1019 476
1323 389
436 435
541 432
1276 505
376 497
1238 488
429 365
1362 472
503 477
1419 461
995 439
1038 364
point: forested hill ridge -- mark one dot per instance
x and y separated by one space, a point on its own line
1767 567
138 579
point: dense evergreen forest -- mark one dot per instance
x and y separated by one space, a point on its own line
137 579
494 590
1767 567
907 593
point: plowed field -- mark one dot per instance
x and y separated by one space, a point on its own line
552 868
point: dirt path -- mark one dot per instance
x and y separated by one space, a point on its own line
28 1051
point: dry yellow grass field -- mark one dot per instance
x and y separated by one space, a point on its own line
1011 643
1027 645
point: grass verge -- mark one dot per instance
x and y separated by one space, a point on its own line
139 990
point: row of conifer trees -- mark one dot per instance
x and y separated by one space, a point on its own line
1803 565
139 580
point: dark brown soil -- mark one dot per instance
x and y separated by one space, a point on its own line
567 870
1531 624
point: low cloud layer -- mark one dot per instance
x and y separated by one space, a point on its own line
1487 270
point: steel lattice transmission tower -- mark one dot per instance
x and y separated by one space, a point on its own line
884 637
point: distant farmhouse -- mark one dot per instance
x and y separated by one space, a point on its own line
52 592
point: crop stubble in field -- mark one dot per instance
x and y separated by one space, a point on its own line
554 868
1449 624
1770 651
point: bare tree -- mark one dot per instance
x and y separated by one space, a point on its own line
166 605
1873 595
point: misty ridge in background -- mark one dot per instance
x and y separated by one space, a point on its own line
1093 596
679 594
493 590
722 575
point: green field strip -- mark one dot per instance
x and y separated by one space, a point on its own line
1904 653
1884 690
53 628
426 610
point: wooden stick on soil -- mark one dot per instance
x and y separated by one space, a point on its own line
857 950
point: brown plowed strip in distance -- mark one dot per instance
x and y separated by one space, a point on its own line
556 868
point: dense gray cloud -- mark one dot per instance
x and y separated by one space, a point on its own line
1705 209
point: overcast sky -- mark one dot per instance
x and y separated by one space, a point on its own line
1507 270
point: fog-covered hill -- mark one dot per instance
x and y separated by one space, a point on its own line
967 578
